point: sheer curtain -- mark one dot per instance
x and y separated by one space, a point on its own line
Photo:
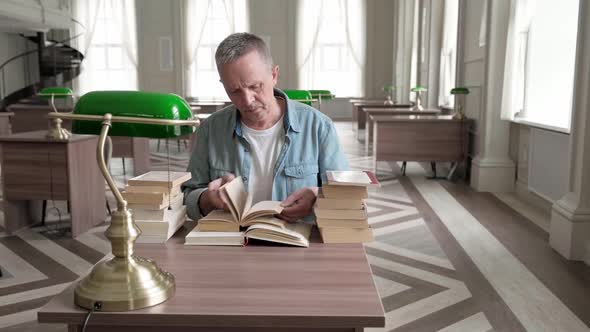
109 45
521 15
448 54
207 23
331 46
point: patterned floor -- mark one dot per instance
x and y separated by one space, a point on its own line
436 267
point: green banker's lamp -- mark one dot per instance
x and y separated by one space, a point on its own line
303 96
321 95
459 114
125 282
418 90
388 89
56 93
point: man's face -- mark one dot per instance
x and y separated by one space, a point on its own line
249 84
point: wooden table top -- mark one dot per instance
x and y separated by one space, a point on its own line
320 286
412 118
39 136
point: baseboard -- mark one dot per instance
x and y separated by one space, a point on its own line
522 192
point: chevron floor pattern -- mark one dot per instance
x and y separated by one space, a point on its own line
426 280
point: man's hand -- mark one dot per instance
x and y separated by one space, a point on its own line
211 198
299 204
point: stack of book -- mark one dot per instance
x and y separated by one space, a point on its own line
340 210
157 204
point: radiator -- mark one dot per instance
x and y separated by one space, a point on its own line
548 163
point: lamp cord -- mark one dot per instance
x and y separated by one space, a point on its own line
96 306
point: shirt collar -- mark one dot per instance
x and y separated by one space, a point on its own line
290 119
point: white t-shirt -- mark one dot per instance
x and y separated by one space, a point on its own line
265 147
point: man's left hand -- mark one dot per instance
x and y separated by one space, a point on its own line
299 204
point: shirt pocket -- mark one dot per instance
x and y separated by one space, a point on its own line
300 176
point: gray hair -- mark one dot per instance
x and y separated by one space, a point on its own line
238 44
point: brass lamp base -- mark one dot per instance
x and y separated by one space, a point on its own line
124 282
121 284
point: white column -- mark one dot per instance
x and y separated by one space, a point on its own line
570 217
436 27
492 169
405 35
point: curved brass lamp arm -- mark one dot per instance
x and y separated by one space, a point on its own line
106 125
126 119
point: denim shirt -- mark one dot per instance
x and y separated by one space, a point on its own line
311 147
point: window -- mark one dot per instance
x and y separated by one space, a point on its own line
540 61
414 59
331 46
550 62
448 54
208 23
111 49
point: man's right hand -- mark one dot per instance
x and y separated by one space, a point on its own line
211 198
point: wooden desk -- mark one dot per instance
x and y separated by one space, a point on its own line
34 168
361 116
368 111
252 288
5 123
429 138
33 117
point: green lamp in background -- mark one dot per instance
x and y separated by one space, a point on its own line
303 96
459 103
388 89
126 281
418 90
52 94
321 95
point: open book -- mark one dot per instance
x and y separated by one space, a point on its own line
278 231
241 211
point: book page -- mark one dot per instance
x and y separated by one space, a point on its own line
349 177
236 196
219 216
266 220
263 208
296 234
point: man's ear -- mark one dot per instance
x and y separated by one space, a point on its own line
275 75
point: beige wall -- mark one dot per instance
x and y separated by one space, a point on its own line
274 19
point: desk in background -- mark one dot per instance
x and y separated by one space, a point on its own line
391 111
252 288
33 117
428 138
34 168
360 116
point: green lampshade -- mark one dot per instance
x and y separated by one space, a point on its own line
388 88
303 96
460 91
419 88
321 94
137 104
56 92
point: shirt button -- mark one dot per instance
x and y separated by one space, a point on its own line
245 178
246 150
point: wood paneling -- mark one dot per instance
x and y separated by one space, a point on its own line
37 169
419 138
